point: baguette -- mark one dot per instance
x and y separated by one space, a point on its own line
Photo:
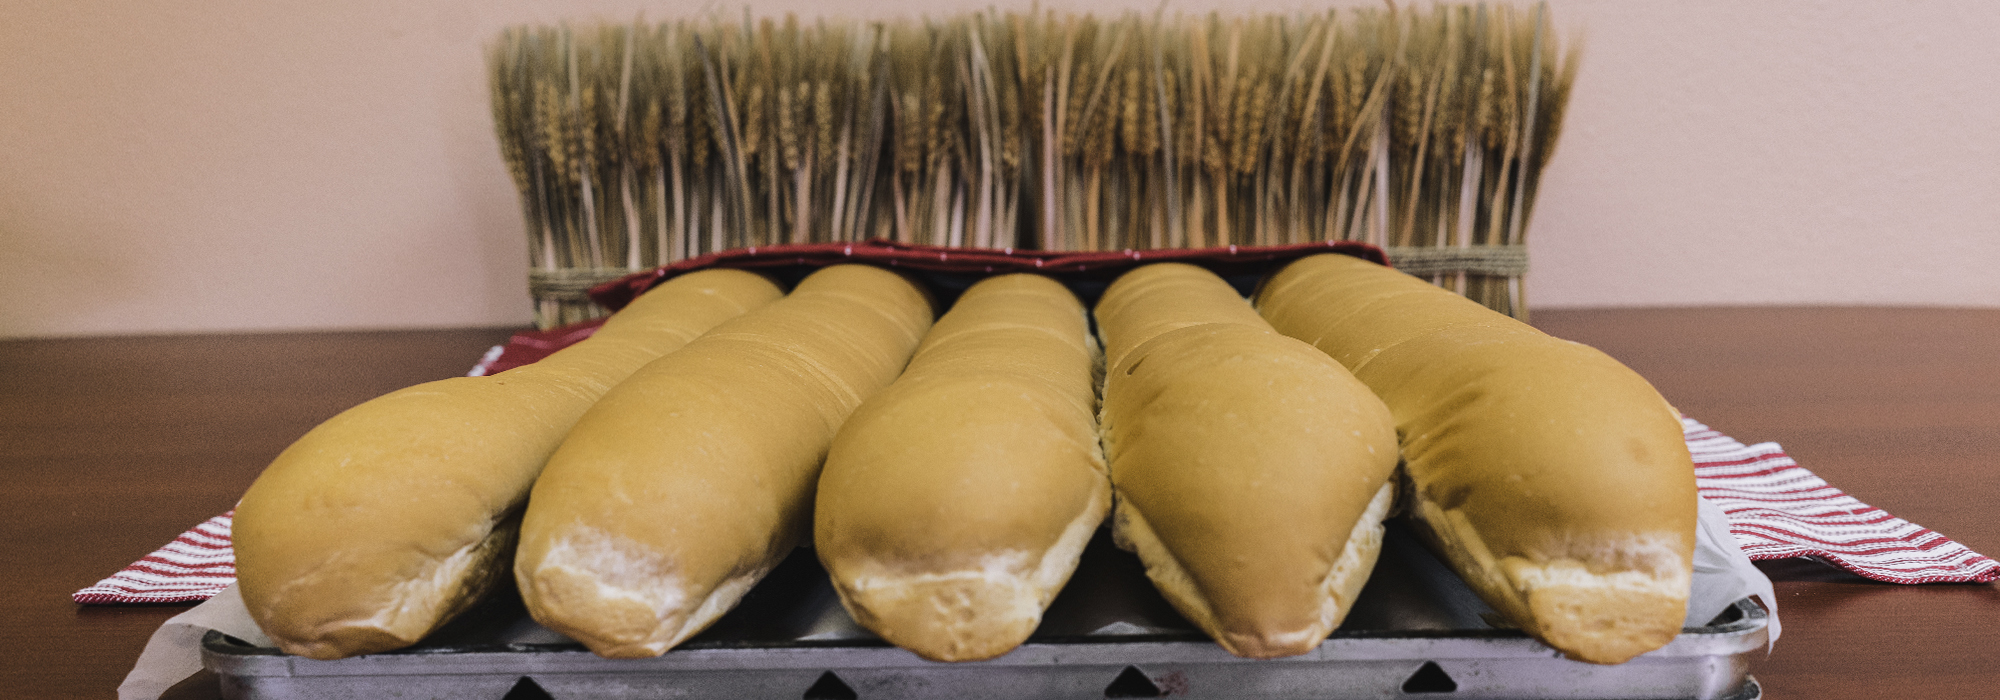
681 488
394 515
1552 478
1252 473
955 503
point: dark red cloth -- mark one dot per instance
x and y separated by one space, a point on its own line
1084 272
945 271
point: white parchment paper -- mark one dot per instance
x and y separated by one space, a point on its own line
1723 574
174 652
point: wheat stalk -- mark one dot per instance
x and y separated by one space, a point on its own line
636 145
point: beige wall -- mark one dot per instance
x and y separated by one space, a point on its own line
236 165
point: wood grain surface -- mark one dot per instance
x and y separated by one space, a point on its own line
111 447
1899 408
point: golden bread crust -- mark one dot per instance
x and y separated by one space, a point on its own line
955 503
1552 478
1250 469
685 484
389 518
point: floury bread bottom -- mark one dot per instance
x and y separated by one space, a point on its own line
789 633
681 488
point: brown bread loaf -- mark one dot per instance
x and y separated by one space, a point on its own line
684 485
1551 477
394 515
1252 473
955 503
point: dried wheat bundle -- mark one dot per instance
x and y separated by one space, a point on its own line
1421 130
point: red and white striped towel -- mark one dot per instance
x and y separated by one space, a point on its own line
194 567
1776 510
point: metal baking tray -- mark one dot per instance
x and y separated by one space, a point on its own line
1415 631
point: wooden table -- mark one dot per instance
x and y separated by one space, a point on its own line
113 446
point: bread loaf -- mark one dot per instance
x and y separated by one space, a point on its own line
394 515
1551 477
681 488
954 504
1252 473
